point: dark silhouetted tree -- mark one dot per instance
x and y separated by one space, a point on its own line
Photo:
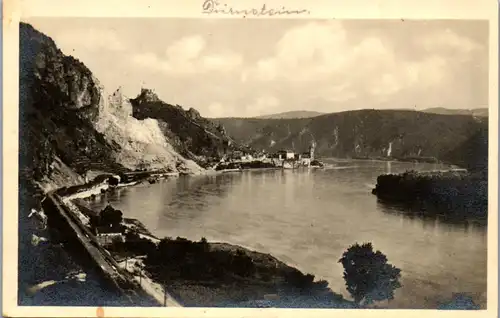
367 274
110 217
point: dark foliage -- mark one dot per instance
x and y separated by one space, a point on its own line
456 195
257 165
473 153
459 302
109 218
182 259
228 166
367 274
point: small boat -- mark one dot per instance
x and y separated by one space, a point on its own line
287 165
316 164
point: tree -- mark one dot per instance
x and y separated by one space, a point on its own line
110 217
367 274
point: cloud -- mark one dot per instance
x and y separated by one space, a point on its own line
447 39
341 67
187 48
265 104
261 105
301 64
188 56
91 39
223 62
215 110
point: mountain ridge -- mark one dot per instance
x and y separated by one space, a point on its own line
480 112
360 133
291 114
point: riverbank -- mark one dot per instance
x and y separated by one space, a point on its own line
227 275
203 274
456 194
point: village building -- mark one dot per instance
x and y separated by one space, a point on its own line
107 235
285 155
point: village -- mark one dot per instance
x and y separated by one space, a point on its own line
285 159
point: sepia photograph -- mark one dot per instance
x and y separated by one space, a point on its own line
214 162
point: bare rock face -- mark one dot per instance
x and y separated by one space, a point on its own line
119 104
65 81
191 135
59 99
66 114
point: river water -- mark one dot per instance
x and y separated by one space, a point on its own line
307 218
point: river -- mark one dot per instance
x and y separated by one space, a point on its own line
307 218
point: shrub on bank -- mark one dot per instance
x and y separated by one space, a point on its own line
180 258
257 165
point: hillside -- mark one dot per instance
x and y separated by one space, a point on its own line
190 134
292 115
473 153
70 125
58 102
362 134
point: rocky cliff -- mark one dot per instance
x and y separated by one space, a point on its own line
367 133
58 102
69 125
187 131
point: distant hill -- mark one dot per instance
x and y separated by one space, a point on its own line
292 115
361 134
478 112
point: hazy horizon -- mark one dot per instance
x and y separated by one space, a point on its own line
256 67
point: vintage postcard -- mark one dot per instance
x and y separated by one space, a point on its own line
210 158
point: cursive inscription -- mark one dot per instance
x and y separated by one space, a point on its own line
214 7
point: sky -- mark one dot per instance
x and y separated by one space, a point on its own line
252 67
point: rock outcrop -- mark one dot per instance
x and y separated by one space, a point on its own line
187 131
59 101
69 124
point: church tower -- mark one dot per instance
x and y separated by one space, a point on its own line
312 148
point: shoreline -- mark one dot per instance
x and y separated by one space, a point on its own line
184 287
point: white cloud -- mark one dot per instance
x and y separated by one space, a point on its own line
224 62
215 110
187 48
91 39
187 57
321 52
261 105
447 39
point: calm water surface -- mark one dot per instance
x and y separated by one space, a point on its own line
307 219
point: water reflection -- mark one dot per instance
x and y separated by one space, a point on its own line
413 211
437 223
308 217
